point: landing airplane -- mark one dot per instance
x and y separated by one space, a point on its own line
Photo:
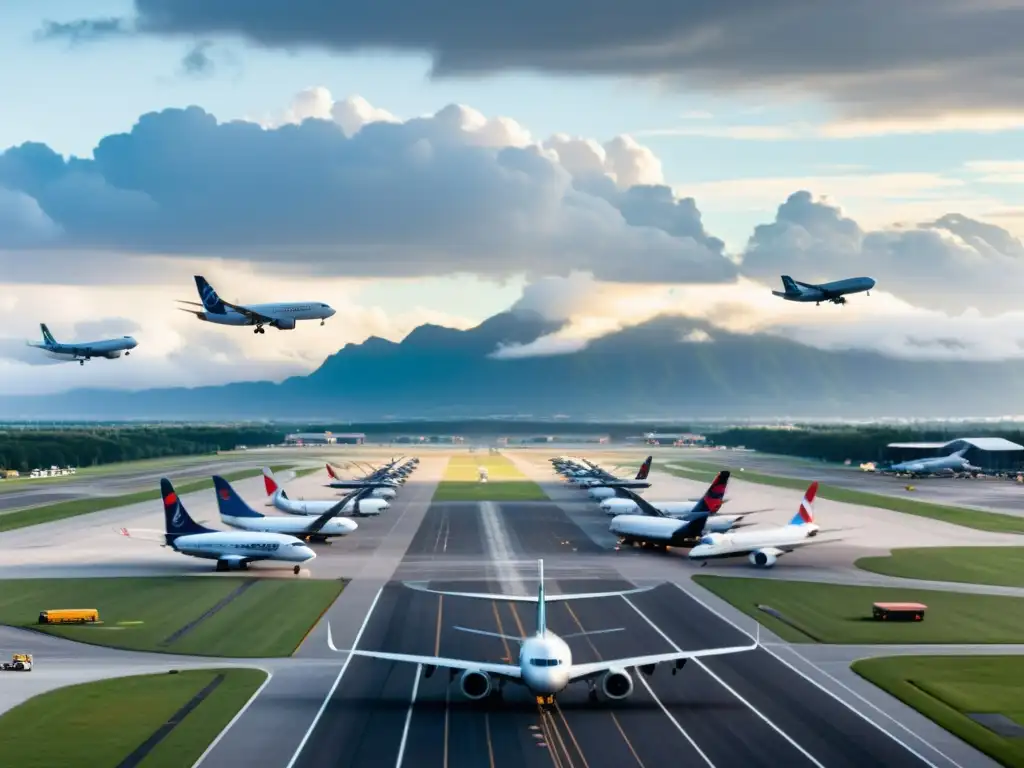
281 316
83 350
763 547
953 463
834 291
238 514
228 548
545 665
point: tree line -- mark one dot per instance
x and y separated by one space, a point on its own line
25 450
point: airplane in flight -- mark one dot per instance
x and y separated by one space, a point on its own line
951 464
545 665
273 485
764 546
229 548
282 316
835 291
238 514
83 350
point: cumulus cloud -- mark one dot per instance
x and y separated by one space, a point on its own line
873 58
952 263
197 62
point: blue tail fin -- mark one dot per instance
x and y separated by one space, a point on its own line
211 301
787 282
176 520
47 336
229 503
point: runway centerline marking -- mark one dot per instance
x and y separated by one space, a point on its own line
727 687
820 687
337 681
499 549
408 717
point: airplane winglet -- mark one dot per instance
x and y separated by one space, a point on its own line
330 639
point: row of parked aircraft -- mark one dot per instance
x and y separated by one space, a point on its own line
210 309
274 537
694 523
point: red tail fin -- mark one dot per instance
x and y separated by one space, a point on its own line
330 471
645 468
268 481
712 500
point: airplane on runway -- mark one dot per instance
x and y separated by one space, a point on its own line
545 664
228 548
83 350
763 547
835 291
282 316
953 463
238 514
355 503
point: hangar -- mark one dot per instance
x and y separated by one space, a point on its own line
996 454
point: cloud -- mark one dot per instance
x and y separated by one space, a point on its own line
953 263
873 58
197 62
341 188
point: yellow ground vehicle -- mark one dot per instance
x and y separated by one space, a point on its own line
20 662
69 616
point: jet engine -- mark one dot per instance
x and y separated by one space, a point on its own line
616 684
765 558
285 324
475 685
112 355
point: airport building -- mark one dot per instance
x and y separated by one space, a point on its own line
996 454
663 438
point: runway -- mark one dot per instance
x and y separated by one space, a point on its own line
748 709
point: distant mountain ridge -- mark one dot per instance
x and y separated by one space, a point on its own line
660 369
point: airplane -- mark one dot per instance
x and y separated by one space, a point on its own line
385 487
763 547
272 485
83 350
355 503
545 665
624 503
282 316
238 514
605 488
953 463
228 548
834 291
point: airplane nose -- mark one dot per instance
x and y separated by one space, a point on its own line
351 525
331 311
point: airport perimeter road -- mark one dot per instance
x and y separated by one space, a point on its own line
749 709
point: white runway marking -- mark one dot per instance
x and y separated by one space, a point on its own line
408 716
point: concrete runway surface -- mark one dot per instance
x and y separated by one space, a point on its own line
762 708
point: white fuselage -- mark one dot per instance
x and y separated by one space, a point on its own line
646 527
302 507
740 543
108 348
628 507
293 526
244 546
545 663
286 311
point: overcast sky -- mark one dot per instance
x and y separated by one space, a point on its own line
409 168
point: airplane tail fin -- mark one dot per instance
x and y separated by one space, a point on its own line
211 301
177 521
713 498
805 514
47 336
229 503
270 483
331 472
645 468
790 285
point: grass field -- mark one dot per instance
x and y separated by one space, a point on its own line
837 613
1000 566
100 724
461 481
969 518
63 509
948 688
270 618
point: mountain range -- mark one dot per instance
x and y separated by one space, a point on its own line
661 369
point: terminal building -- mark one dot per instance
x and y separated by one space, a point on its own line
995 454
325 438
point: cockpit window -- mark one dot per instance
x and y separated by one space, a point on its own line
545 662
298 544
707 540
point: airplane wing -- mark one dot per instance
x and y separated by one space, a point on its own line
527 598
256 317
507 671
583 671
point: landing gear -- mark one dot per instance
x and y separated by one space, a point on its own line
259 329
322 322
592 695
222 565
81 362
126 353
295 570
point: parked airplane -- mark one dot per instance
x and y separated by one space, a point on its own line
238 514
834 291
545 665
273 484
282 316
354 503
623 503
384 487
228 548
953 463
603 488
83 350
763 547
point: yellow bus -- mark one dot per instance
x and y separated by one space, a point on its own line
69 616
